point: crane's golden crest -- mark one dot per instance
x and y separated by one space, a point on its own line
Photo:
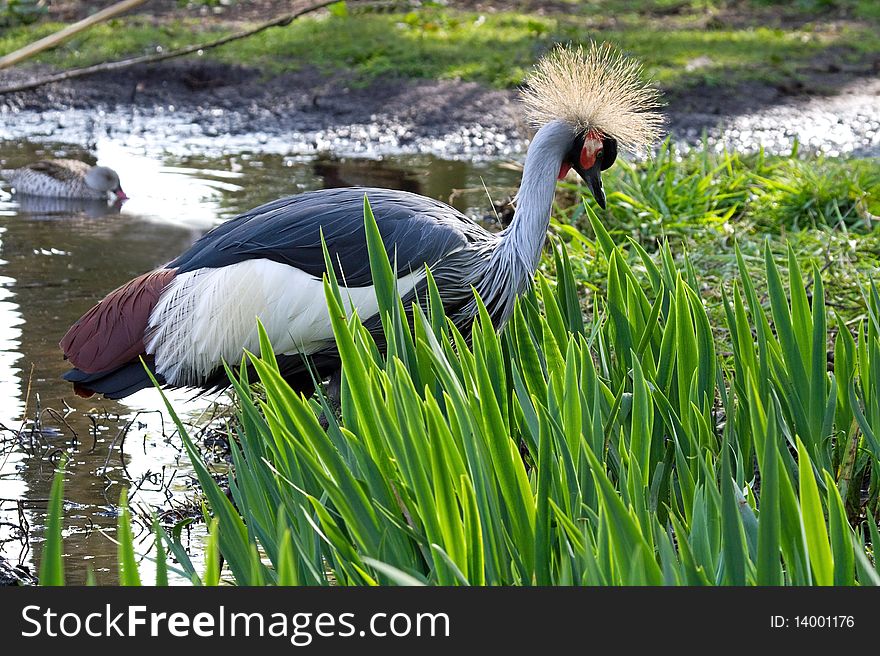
597 88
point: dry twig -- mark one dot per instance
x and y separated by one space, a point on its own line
279 21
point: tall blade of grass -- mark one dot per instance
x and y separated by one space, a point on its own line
769 566
875 541
457 574
179 552
212 555
255 578
642 426
543 516
813 518
380 266
841 535
791 351
512 477
602 237
52 561
733 542
867 574
474 532
128 569
161 559
801 319
687 354
818 375
287 570
566 291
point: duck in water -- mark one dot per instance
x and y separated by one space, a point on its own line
65 178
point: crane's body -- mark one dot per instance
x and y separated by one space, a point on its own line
65 178
186 319
268 264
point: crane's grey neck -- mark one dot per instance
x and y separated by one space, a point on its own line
519 250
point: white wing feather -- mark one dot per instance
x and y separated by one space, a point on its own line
210 315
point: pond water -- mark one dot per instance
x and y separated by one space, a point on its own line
58 258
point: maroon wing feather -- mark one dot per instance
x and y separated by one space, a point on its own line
112 332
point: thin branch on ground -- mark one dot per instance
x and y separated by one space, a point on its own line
104 67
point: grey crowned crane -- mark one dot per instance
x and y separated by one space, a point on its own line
200 310
65 178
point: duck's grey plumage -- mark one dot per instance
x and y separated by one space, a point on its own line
63 178
63 170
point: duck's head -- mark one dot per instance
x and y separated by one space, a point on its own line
602 101
103 178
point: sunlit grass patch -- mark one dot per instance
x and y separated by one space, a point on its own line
495 48
115 39
703 192
707 203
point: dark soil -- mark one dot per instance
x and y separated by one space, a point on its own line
305 100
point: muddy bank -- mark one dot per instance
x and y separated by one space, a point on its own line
306 111
844 124
195 105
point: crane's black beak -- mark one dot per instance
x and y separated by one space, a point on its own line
593 178
600 154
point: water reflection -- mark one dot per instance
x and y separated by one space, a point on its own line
41 208
10 335
59 258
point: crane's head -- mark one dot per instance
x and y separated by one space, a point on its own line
602 96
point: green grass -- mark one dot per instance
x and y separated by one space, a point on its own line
494 48
117 38
52 561
708 204
618 449
703 193
21 12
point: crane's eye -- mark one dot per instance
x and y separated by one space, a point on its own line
599 155
608 152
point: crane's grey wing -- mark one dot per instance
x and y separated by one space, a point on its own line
416 230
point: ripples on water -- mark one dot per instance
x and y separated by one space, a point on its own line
57 258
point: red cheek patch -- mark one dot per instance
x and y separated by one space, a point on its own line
592 145
588 159
563 171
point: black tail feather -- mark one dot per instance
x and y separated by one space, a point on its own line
115 384
132 377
